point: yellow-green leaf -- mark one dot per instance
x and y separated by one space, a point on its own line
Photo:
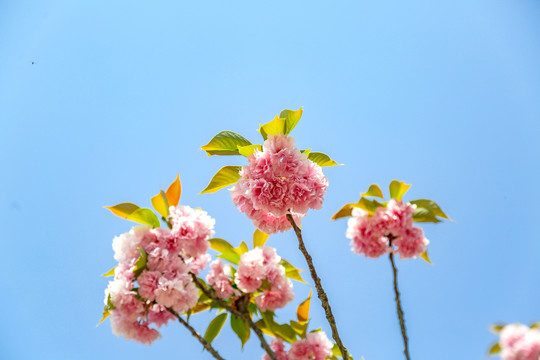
374 190
123 210
110 272
243 248
132 212
321 159
276 126
307 151
495 349
259 238
302 312
226 176
241 329
106 314
291 271
425 256
368 205
291 118
345 211
535 325
265 329
140 265
248 149
398 189
299 328
497 328
161 204
174 192
430 205
227 250
107 309
225 143
214 327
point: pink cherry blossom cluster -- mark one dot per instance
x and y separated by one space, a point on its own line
315 346
219 278
277 180
165 282
260 270
370 234
519 342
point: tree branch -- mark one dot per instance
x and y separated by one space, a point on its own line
320 291
210 293
202 340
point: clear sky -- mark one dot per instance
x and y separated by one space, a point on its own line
442 94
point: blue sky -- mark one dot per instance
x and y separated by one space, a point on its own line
121 95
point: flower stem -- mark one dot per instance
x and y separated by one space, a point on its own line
320 291
239 314
203 341
401 316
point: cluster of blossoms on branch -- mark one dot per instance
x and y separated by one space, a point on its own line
278 180
315 346
517 342
375 235
153 273
259 271
157 277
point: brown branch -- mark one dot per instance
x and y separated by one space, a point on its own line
400 313
320 291
242 315
202 340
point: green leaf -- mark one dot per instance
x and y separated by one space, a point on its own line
291 118
336 351
225 176
248 149
425 256
398 189
291 271
345 211
307 151
321 159
430 205
495 349
276 126
132 212
243 248
241 329
421 214
174 191
374 190
227 250
214 327
302 312
161 204
259 238
110 272
265 329
225 143
140 265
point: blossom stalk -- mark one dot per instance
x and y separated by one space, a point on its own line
320 291
400 313
194 332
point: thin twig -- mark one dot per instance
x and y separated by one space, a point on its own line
202 340
320 291
238 314
400 313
